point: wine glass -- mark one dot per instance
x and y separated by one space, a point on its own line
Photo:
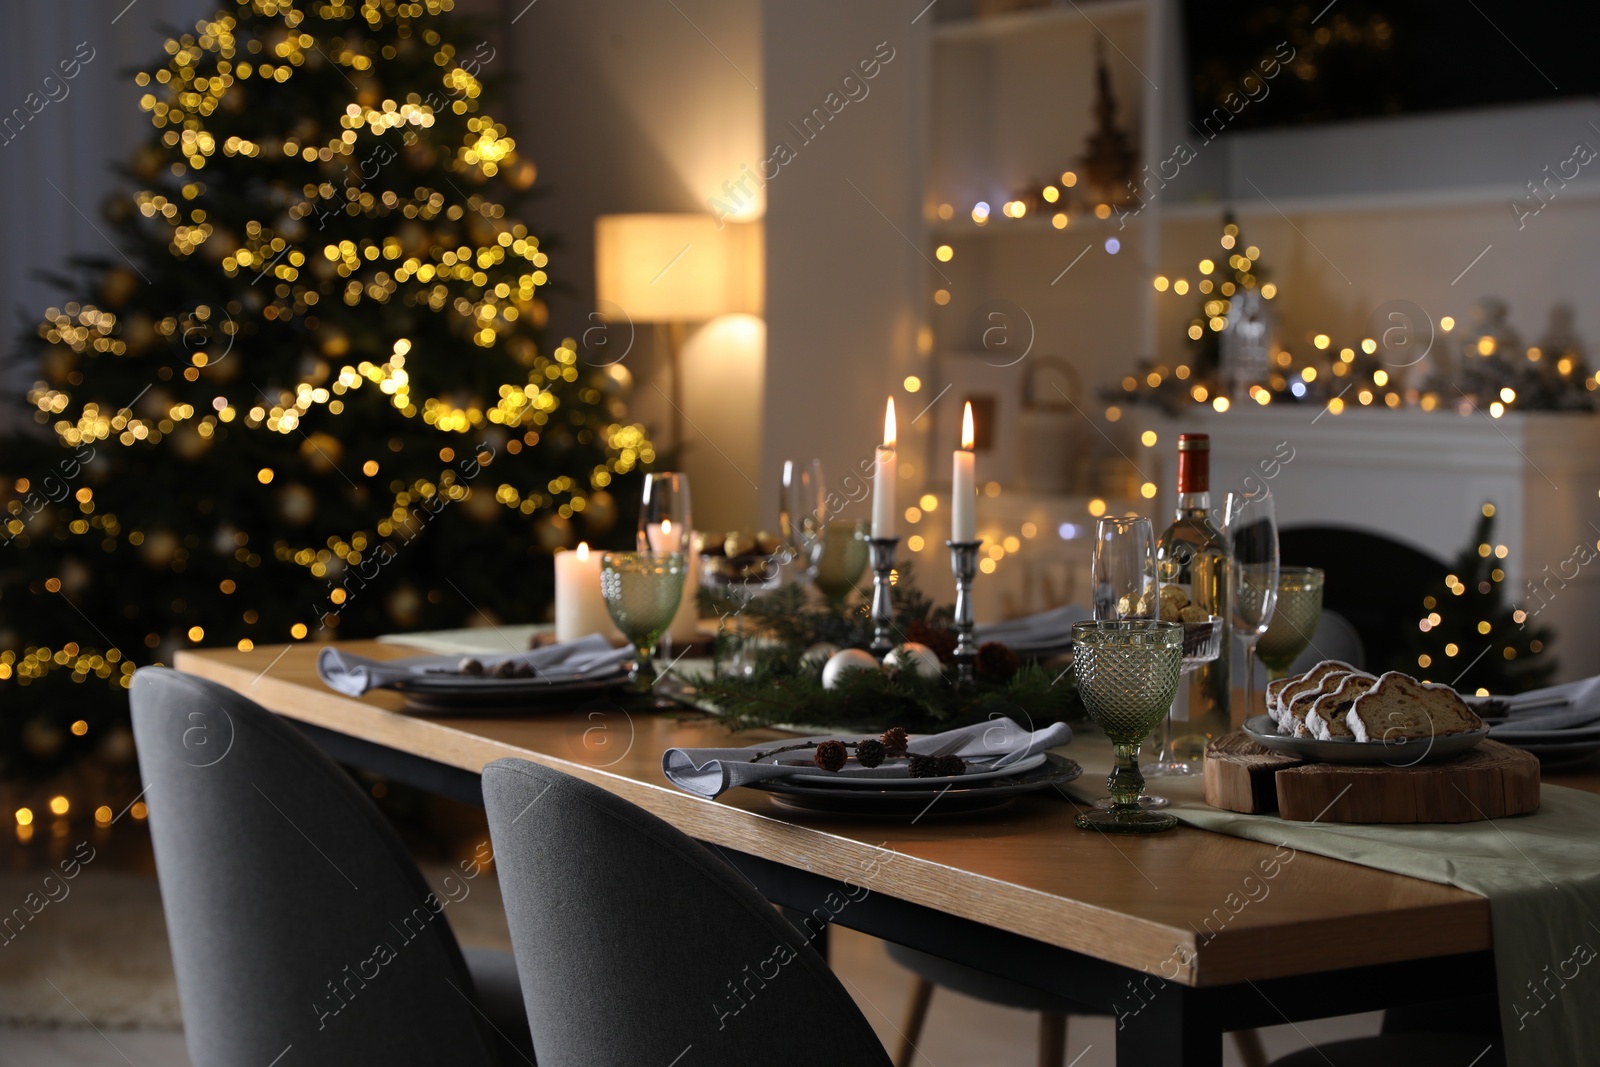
733 582
1202 643
665 523
837 559
1251 528
1127 675
1294 619
642 590
800 505
1124 569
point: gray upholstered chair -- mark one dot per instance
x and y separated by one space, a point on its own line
296 918
636 945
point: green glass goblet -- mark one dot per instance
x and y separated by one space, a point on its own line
642 590
1127 676
838 557
1294 620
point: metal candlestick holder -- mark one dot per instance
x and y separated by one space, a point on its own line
883 549
964 565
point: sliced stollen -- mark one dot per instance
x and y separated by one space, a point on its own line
1274 691
1294 720
1326 718
1309 680
1400 708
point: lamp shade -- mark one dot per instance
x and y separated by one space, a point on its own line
678 268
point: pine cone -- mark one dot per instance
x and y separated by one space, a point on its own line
941 640
995 662
870 753
937 766
894 741
831 755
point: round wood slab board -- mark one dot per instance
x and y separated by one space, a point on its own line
1488 782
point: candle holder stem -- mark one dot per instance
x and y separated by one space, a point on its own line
964 565
883 549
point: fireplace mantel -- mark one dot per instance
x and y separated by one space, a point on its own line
1422 478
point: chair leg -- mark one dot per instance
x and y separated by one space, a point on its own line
1248 1043
916 1015
1052 1039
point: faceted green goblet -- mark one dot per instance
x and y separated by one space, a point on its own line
1294 620
642 590
1127 675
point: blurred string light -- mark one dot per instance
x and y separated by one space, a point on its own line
1316 369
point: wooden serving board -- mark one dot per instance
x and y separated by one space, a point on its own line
1488 782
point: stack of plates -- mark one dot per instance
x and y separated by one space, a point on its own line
889 791
1559 725
439 692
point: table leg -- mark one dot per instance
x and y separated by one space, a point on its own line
1171 1030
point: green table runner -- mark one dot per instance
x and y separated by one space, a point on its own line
1541 873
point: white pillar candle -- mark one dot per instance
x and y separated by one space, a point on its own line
580 609
964 484
883 478
686 623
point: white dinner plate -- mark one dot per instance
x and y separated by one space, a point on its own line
1264 732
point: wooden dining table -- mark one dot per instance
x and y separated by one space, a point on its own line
1183 936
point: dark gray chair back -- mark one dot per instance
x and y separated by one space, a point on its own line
300 928
635 945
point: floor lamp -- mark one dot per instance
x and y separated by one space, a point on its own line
670 270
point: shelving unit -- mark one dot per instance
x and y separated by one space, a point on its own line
1010 107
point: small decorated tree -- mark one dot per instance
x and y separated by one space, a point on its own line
1469 636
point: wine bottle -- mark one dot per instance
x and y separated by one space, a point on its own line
1193 555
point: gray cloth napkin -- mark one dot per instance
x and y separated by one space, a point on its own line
570 661
1047 629
1559 707
990 745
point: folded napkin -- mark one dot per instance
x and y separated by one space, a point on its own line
1047 629
990 745
570 661
1570 707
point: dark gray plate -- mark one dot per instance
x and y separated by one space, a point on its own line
1264 732
903 803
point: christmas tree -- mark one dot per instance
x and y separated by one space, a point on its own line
308 395
1469 636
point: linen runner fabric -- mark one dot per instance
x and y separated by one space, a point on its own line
710 772
1541 875
353 675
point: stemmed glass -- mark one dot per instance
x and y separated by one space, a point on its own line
838 556
1202 643
1251 528
801 509
664 517
1294 620
1127 676
642 590
1124 569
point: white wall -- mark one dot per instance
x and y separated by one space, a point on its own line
634 107
844 236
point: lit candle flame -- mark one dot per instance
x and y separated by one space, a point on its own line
968 437
583 550
666 527
889 425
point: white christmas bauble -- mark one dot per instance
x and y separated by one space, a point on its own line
818 653
851 659
914 656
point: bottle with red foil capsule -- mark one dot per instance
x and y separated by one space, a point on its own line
1193 556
